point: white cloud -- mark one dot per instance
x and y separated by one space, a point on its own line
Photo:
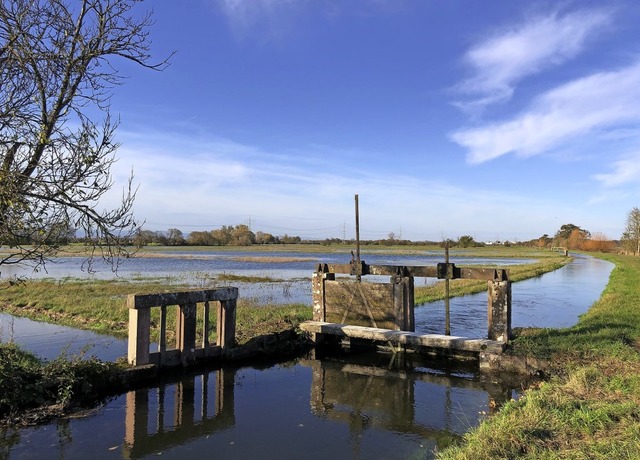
268 15
501 61
199 182
625 170
599 102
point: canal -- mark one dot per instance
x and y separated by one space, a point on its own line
358 406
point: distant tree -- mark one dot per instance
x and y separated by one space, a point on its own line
543 241
223 235
242 236
175 237
466 241
57 69
576 239
631 237
599 242
286 239
566 230
573 232
265 238
201 239
448 243
144 237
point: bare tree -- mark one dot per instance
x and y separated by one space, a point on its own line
631 237
57 71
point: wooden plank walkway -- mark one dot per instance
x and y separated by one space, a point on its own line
412 339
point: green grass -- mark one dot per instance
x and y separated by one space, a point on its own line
590 407
100 306
436 291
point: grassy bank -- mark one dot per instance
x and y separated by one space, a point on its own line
590 408
516 273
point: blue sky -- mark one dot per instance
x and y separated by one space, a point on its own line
496 119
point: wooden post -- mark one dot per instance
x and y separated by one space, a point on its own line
499 310
139 335
447 305
409 304
403 303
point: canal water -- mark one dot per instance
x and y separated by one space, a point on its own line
358 407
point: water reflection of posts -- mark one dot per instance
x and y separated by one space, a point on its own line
366 396
141 439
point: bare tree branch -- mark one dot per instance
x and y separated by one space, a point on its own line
57 65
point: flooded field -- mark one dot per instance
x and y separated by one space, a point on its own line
361 407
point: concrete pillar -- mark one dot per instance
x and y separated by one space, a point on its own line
317 293
186 332
139 336
226 326
499 310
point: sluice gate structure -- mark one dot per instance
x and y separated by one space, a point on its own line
347 308
369 314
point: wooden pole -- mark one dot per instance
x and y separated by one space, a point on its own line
447 312
358 277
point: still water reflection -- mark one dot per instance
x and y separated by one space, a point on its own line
555 299
360 407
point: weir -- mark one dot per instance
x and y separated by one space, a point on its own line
383 313
370 314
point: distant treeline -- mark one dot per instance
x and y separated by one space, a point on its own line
569 236
227 235
242 235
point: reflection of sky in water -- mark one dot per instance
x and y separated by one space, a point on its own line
49 341
275 412
555 299
198 264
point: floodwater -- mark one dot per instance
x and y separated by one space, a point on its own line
290 271
555 299
357 406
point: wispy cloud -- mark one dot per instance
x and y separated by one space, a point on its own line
269 16
625 170
546 41
589 105
215 182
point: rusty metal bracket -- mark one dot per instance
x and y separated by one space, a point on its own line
447 271
322 268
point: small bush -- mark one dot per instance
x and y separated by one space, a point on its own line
28 383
